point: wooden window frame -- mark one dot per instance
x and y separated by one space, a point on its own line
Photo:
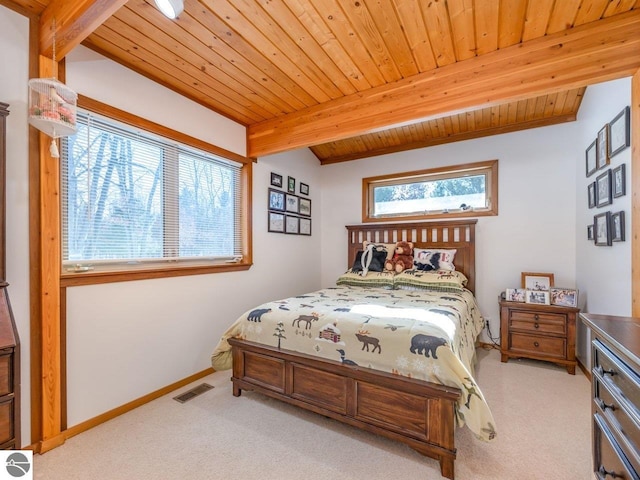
489 166
162 270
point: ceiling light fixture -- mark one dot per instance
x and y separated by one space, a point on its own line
170 8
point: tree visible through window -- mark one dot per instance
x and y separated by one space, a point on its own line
452 191
131 196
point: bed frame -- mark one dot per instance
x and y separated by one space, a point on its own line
418 413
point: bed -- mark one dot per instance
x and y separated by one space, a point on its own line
397 362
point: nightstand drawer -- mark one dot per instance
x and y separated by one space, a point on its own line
539 322
547 346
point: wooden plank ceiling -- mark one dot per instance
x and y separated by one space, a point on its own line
256 61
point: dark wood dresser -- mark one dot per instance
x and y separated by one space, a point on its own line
9 342
615 385
541 332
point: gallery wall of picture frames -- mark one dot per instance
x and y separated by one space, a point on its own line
288 212
610 183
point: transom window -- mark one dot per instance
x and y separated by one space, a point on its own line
132 198
457 191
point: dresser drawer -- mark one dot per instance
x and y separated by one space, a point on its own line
621 422
6 420
6 378
618 377
608 461
553 323
547 346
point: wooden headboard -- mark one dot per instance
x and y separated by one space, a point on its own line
458 234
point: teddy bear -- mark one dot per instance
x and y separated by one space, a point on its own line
402 258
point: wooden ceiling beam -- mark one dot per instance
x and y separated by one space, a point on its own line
585 55
74 21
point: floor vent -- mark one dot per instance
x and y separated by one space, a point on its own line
194 392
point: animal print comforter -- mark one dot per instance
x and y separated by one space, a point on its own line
419 334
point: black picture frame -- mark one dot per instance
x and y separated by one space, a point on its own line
589 232
617 226
276 200
619 181
304 207
291 185
276 180
590 158
619 132
591 194
292 203
305 226
601 229
291 225
603 189
304 189
275 222
602 147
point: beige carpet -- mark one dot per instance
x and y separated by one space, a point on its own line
542 416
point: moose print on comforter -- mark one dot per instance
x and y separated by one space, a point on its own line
426 335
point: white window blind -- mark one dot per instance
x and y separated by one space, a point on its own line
130 196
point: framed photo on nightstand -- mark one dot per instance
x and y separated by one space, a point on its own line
538 297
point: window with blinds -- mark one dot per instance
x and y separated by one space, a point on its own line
131 197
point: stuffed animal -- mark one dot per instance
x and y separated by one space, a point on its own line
402 258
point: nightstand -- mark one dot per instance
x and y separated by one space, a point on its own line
541 332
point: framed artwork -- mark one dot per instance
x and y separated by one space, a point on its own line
603 189
304 188
591 193
292 203
619 181
291 225
305 207
617 227
537 281
602 147
601 229
539 297
291 185
565 297
305 226
276 222
515 295
276 180
619 137
276 200
590 155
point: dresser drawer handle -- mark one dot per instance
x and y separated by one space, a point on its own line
602 471
604 406
536 344
602 371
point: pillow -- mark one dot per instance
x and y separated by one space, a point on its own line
390 248
371 279
438 280
377 261
433 259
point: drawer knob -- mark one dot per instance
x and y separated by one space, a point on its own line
602 471
602 371
604 406
536 316
536 344
536 325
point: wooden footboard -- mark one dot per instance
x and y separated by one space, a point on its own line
417 413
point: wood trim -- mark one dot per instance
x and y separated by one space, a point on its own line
127 407
74 21
4 112
31 15
592 53
114 113
635 192
585 370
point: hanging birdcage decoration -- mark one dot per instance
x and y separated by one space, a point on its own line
52 106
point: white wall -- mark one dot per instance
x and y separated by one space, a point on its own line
14 56
603 273
535 228
128 339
